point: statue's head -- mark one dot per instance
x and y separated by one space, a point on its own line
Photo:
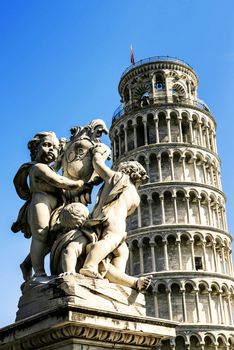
44 147
135 171
73 215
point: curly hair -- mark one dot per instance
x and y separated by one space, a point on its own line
134 169
70 215
36 140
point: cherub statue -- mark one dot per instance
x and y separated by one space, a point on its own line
117 199
42 196
69 248
74 239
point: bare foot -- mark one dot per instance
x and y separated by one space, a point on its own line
67 273
26 271
143 283
89 272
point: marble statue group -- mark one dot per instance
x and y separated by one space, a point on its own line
55 214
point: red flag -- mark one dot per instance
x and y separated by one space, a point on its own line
132 56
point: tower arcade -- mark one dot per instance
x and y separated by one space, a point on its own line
179 233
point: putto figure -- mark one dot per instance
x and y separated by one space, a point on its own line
42 196
117 199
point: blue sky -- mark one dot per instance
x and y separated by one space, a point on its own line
60 65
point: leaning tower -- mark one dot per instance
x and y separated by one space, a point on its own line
179 233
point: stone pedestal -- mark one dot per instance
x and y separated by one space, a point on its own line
57 314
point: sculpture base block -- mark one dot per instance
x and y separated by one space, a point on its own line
80 313
46 292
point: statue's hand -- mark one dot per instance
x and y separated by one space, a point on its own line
80 185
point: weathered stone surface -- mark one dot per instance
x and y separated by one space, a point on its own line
47 293
70 327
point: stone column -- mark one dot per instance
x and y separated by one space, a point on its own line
165 253
175 208
145 129
139 215
153 258
207 138
159 167
183 166
187 208
200 133
199 209
215 256
169 304
204 254
134 125
230 309
155 304
184 305
114 149
191 241
140 245
195 168
212 175
162 208
217 178
125 139
153 85
223 259
172 168
119 137
204 172
179 253
131 261
197 305
156 129
210 307
180 128
217 214
168 119
209 212
191 130
149 199
221 306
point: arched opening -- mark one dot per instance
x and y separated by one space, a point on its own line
144 211
162 127
153 168
178 167
181 207
172 251
135 258
165 167
186 253
185 128
176 301
159 254
147 258
140 132
156 209
130 135
163 307
151 129
193 208
175 132
190 303
169 208
194 343
159 82
204 303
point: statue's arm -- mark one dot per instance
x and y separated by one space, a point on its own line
46 174
100 167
